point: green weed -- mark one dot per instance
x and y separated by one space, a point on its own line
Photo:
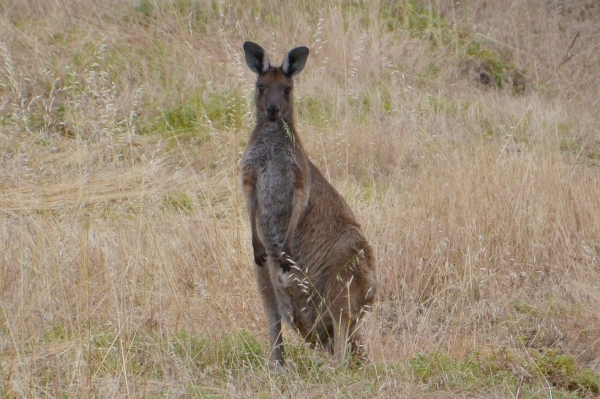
417 20
492 68
197 13
359 106
442 105
593 156
316 110
199 116
562 372
479 373
481 62
240 351
178 200
190 348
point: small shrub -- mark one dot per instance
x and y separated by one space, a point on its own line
492 68
562 372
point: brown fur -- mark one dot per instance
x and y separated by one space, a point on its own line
314 268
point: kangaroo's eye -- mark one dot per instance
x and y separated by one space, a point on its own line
261 88
287 90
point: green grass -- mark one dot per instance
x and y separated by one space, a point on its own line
530 373
487 65
442 105
416 19
240 351
199 117
197 13
316 109
178 201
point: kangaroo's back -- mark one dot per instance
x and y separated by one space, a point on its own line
314 267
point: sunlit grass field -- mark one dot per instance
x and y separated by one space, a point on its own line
465 136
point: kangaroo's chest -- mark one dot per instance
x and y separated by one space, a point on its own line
275 184
275 167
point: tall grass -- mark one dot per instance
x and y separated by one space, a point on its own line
464 136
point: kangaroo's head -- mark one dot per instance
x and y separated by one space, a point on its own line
274 85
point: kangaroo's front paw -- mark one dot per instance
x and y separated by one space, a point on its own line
260 258
286 262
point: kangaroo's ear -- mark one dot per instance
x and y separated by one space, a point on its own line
256 58
294 61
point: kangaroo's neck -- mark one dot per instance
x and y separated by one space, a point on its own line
281 130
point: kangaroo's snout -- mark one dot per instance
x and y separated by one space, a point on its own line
273 112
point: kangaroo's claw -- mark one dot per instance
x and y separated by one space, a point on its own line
286 262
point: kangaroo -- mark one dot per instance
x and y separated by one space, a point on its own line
314 268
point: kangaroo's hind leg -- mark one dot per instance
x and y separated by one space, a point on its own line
341 329
269 302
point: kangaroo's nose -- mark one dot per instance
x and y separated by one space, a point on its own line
273 112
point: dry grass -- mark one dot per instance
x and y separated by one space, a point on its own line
125 264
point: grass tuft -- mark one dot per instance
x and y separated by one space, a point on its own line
482 374
490 68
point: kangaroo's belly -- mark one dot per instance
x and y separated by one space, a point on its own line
275 196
